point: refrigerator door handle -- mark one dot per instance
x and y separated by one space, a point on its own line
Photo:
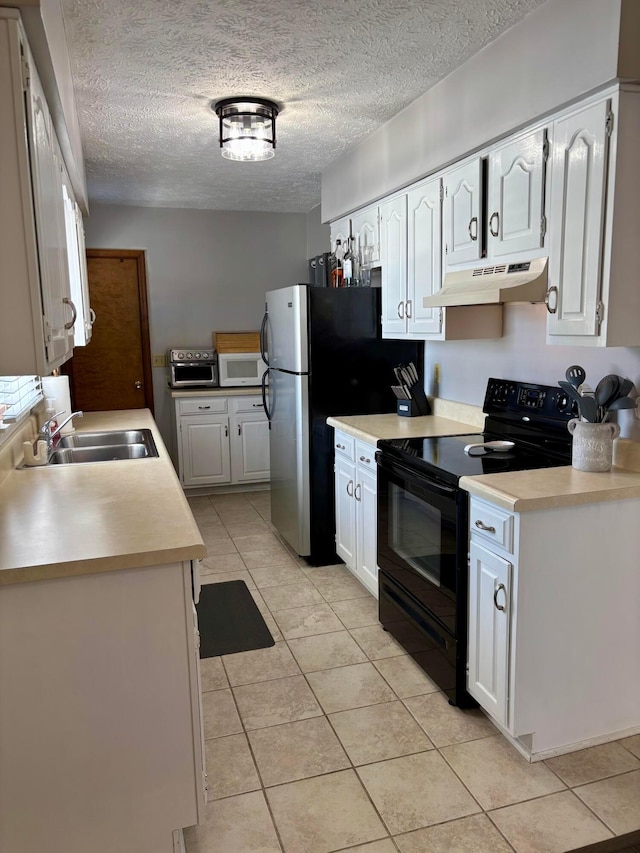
264 395
263 338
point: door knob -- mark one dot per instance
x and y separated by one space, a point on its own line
137 384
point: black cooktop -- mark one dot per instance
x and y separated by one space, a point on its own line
534 417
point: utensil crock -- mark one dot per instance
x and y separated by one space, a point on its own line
592 447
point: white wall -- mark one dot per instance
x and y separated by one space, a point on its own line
206 271
523 355
318 234
557 53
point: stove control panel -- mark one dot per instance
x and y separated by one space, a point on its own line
527 401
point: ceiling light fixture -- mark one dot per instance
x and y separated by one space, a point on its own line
247 128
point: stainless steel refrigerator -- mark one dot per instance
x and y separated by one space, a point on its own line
325 356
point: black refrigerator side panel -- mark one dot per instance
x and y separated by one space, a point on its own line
351 371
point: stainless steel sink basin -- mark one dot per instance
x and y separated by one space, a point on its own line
106 453
100 439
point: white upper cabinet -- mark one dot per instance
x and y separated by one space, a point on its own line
515 205
463 213
340 230
393 253
365 228
424 255
77 260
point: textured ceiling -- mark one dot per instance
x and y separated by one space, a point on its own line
146 72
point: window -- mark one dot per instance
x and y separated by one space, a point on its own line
19 394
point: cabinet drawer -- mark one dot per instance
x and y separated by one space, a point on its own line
344 445
203 406
492 524
246 404
366 455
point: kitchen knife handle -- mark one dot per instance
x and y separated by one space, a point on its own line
350 493
501 607
496 216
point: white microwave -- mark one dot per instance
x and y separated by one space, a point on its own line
240 368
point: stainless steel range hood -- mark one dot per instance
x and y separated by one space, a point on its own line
525 281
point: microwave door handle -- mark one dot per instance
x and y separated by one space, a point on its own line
263 338
264 396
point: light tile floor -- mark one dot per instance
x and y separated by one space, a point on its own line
334 740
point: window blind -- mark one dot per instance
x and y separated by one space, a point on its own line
19 394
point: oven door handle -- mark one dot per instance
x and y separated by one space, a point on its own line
420 480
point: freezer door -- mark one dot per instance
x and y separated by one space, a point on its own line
289 451
287 328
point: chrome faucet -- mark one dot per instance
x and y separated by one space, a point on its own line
48 434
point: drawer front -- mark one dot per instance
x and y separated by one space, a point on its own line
344 446
366 455
491 524
203 406
246 404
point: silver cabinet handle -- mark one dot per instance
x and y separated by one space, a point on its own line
501 607
364 459
496 216
137 384
473 221
482 526
204 407
92 315
547 299
401 310
409 309
356 492
69 302
257 405
350 493
340 446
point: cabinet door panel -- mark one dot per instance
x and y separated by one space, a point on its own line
489 590
393 256
340 230
366 509
576 218
345 475
463 213
250 448
424 264
516 196
366 230
205 450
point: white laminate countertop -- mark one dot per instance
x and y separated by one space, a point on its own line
62 520
373 428
244 391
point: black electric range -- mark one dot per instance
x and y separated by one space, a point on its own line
423 538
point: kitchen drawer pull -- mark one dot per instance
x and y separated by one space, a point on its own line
409 312
473 221
364 459
495 216
257 405
340 446
547 299
401 310
67 301
350 493
486 527
356 492
501 607
204 407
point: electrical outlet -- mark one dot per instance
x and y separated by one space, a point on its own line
159 360
436 374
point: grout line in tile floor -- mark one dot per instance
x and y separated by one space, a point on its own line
199 840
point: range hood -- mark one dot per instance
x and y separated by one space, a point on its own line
525 281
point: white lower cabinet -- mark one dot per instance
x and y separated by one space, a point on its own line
355 501
222 440
553 623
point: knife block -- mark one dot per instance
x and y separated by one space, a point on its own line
417 405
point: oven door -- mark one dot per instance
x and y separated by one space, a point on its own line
422 539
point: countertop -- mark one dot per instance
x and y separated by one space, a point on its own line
373 428
62 520
244 391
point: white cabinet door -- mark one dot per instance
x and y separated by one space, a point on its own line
393 256
249 448
340 230
46 176
366 510
205 450
489 620
463 213
424 256
365 227
345 475
516 196
579 153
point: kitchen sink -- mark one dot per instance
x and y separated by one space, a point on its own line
102 439
105 453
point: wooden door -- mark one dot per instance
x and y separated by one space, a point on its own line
114 370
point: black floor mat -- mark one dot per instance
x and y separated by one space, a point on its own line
229 620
